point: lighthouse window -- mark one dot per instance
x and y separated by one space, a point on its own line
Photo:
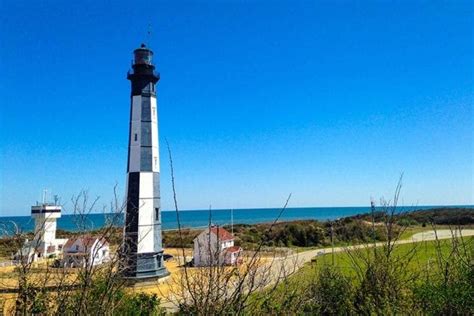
157 213
136 137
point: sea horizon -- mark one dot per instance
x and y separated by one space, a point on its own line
199 218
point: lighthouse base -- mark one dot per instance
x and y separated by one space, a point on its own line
146 266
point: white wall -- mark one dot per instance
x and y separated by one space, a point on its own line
146 214
203 255
96 254
154 137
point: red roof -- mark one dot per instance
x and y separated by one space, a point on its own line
222 234
69 243
233 249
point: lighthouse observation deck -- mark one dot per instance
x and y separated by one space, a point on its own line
45 208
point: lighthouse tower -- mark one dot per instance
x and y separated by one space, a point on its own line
142 233
45 242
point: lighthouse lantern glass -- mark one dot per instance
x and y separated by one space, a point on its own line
143 56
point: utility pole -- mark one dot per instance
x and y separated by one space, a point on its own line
332 241
232 221
44 196
372 208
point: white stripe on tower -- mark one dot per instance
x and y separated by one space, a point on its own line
145 219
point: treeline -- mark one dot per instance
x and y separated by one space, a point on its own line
437 216
308 233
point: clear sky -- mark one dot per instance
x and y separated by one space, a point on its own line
329 101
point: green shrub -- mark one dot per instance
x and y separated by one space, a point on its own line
331 293
140 304
448 292
384 288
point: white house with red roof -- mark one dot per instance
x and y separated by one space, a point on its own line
85 251
215 246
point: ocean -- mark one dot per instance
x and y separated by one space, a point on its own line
200 218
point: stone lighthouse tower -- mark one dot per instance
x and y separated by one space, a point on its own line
142 240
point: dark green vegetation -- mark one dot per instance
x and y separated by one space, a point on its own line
429 278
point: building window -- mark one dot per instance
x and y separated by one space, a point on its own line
157 213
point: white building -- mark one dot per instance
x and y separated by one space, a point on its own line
85 251
44 243
215 246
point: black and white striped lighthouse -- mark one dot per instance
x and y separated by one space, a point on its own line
142 243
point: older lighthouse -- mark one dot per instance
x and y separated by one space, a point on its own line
142 232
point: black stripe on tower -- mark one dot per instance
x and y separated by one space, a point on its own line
146 109
157 209
131 222
129 136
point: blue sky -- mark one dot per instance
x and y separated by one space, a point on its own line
330 101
